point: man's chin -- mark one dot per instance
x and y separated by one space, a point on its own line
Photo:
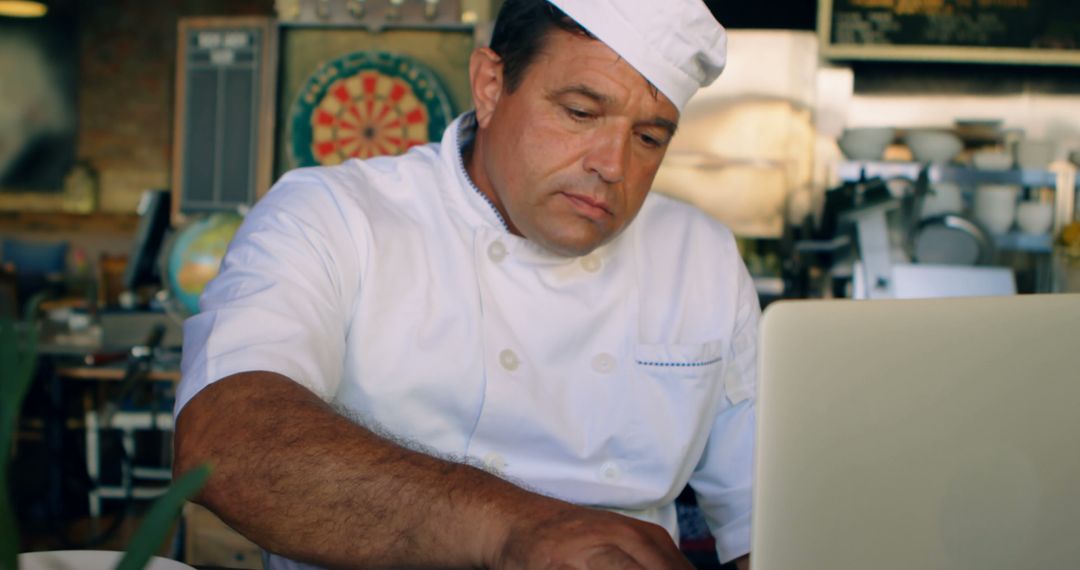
571 246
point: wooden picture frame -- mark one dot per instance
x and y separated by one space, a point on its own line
879 25
204 42
307 48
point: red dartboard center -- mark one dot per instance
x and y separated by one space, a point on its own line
368 114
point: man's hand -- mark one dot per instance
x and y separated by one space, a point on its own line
559 536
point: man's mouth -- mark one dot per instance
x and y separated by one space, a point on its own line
590 207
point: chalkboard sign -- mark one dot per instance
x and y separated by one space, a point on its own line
226 74
1034 32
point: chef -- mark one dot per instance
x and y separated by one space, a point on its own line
499 351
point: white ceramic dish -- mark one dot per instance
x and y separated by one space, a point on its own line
1034 217
87 560
866 143
938 147
995 207
1034 154
992 160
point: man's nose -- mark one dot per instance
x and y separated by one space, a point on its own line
609 155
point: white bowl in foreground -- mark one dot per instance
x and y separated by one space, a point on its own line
88 560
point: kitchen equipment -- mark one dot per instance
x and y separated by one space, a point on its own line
943 198
950 239
890 232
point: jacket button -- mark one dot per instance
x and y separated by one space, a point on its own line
591 263
609 471
603 363
496 251
509 360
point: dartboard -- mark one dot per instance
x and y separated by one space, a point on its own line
367 104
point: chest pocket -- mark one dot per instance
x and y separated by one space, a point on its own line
684 383
677 389
681 361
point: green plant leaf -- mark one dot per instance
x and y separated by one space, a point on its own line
155 527
18 358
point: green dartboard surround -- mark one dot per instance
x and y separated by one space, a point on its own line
366 104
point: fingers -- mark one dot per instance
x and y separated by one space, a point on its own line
659 553
612 559
568 537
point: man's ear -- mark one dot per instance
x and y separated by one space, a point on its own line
486 81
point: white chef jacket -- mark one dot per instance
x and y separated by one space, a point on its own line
392 287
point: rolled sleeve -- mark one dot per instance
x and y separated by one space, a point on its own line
280 302
723 479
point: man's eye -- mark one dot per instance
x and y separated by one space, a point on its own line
578 114
651 141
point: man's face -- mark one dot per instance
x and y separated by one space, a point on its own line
568 158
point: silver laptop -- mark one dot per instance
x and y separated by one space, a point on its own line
919 434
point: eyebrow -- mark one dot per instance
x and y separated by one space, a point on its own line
589 92
665 124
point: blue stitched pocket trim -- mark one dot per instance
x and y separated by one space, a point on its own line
680 364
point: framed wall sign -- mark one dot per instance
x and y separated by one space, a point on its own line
225 86
1025 32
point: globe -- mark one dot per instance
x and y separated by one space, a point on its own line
194 257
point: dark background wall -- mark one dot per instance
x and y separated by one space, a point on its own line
768 14
127 68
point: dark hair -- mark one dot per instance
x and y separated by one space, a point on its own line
521 29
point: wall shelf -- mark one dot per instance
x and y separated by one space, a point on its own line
63 222
1061 178
852 171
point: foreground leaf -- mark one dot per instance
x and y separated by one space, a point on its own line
18 357
155 527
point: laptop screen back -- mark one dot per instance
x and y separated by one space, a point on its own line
931 434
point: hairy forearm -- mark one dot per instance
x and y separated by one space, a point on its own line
303 481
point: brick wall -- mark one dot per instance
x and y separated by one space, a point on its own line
127 68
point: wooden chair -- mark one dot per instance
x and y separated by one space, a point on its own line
110 274
9 294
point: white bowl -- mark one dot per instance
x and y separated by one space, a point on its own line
88 560
866 143
1035 217
992 160
933 146
943 198
1034 154
995 207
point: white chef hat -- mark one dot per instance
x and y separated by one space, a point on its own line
676 44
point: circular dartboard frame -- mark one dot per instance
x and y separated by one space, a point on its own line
366 104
